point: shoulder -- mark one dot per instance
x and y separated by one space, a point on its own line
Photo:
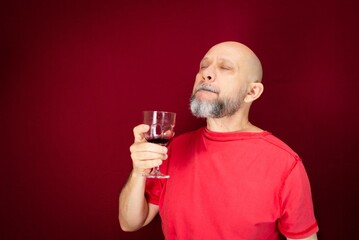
270 139
279 146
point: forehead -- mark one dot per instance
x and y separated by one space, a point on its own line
224 53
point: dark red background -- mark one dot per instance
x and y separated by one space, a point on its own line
75 76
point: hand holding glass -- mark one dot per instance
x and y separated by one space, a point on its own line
161 131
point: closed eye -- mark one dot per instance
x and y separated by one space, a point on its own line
225 67
203 66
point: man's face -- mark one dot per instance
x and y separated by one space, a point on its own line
219 88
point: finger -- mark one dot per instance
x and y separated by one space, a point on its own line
138 132
145 156
146 166
147 147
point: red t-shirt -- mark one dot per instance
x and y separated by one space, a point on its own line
237 185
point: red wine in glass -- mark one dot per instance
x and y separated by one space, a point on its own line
160 141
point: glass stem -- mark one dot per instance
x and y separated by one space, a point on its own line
156 170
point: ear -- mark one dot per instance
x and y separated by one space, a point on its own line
254 91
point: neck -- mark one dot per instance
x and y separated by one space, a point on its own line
235 123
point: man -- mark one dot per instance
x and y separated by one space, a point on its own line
228 180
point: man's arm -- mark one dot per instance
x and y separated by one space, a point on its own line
313 237
134 210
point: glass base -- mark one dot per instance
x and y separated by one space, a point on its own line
157 175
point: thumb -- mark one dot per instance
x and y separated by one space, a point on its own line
139 132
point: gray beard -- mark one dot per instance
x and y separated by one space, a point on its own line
216 108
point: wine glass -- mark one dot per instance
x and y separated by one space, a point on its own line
161 131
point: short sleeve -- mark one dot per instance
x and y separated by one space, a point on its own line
154 187
297 215
153 190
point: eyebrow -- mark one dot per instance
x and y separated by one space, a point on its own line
205 59
221 60
226 61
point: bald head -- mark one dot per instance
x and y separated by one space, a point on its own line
228 81
246 59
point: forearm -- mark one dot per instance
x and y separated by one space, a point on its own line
134 211
133 207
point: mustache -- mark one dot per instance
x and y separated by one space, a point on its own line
206 87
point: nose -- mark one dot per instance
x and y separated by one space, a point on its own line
208 76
